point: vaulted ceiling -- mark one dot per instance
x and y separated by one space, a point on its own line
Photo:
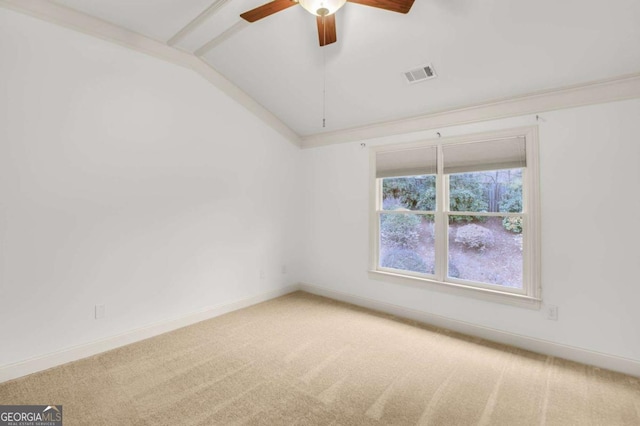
482 50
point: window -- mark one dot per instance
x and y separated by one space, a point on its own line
460 214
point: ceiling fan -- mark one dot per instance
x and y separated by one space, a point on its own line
325 12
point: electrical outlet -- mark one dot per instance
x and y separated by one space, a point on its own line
100 312
552 313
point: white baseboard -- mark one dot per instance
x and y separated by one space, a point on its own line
585 356
581 355
33 365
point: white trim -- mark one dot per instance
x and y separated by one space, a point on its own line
240 96
90 25
546 347
609 90
33 365
197 21
458 288
585 356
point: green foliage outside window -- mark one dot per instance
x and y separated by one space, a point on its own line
512 202
413 193
400 231
407 260
491 191
466 193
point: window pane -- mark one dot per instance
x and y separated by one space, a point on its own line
487 191
407 242
409 193
487 251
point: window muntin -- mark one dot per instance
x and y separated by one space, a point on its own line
473 225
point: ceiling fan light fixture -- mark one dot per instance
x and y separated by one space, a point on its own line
322 7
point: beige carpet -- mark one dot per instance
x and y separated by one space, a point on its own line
306 360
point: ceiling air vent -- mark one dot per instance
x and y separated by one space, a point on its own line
425 72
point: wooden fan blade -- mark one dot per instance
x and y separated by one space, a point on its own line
327 29
400 6
267 9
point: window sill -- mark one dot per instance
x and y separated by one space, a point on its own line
459 289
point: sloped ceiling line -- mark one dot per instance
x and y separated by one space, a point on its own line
197 21
96 27
614 89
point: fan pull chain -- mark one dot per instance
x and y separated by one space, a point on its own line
324 73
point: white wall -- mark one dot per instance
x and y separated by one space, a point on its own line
590 233
130 182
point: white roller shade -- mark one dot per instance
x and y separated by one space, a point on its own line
406 162
490 155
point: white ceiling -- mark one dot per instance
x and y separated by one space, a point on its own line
481 49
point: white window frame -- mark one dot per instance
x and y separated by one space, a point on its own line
530 294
